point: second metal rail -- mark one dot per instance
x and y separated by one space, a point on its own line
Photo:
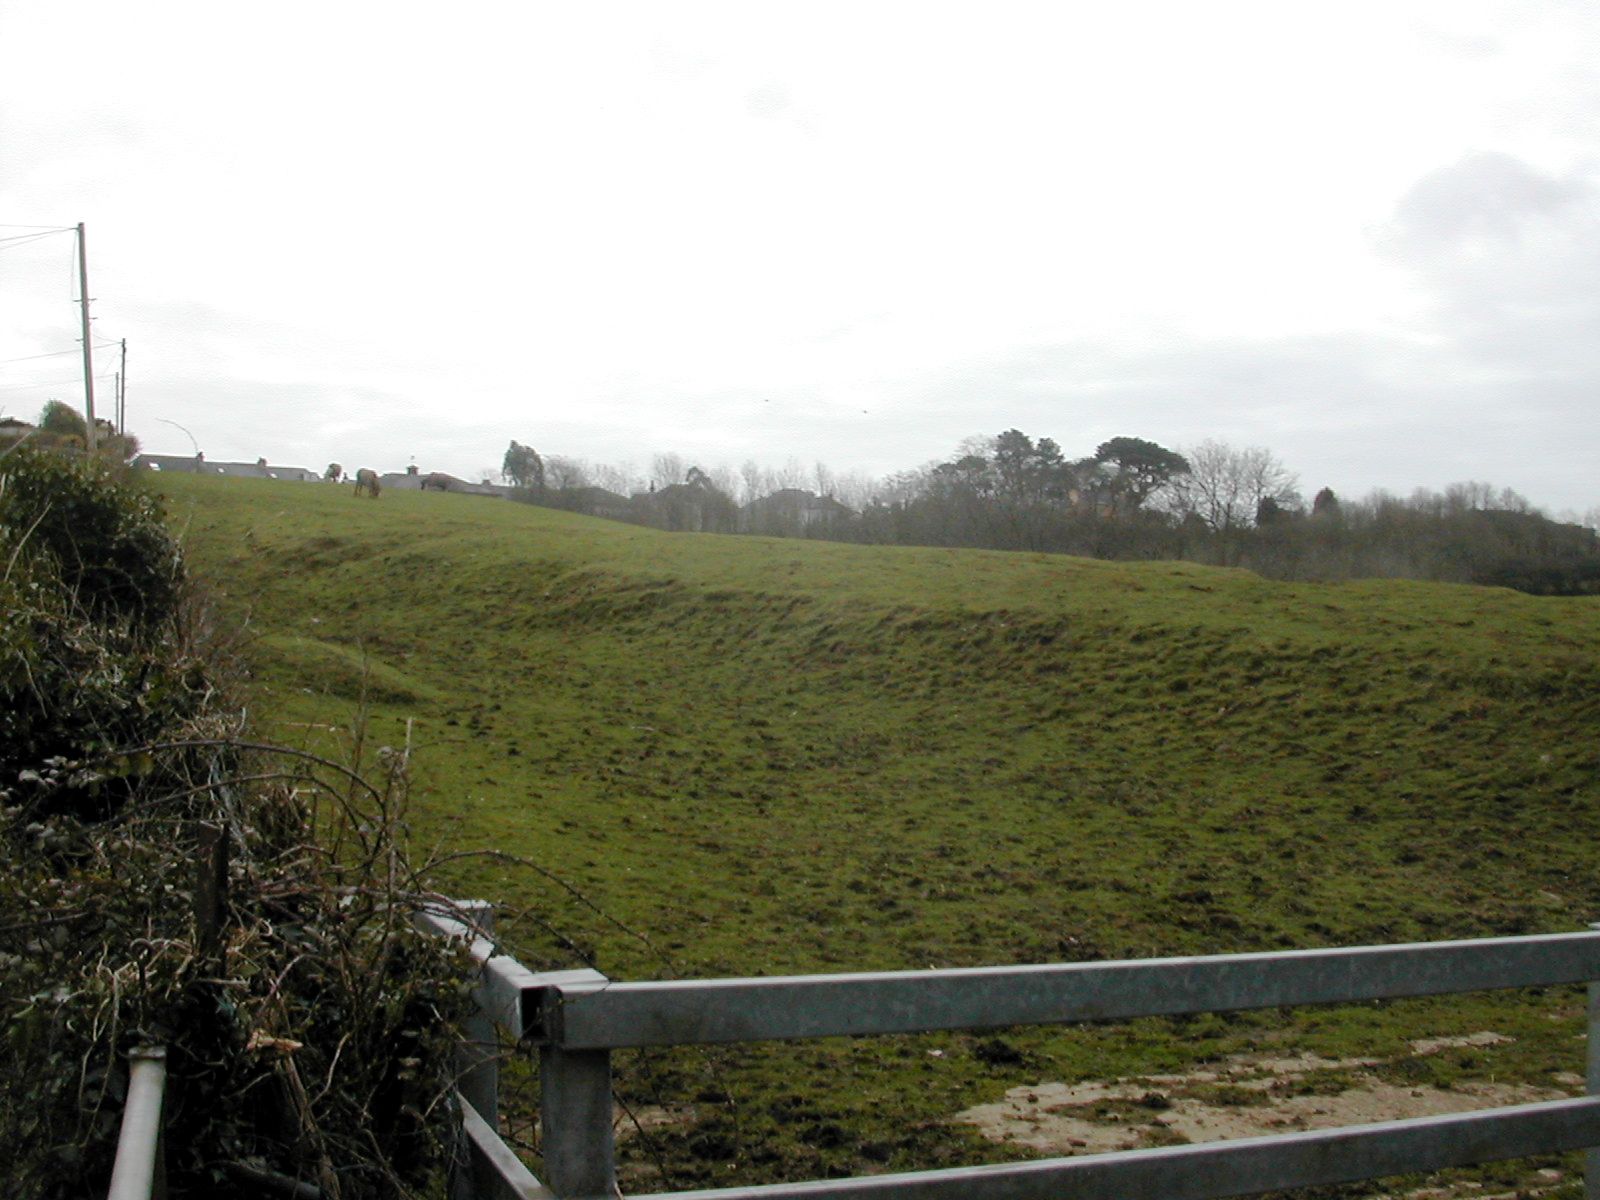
577 1018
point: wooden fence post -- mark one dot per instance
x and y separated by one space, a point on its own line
210 890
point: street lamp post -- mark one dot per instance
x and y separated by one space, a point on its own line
193 444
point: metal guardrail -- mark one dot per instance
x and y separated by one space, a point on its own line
494 1172
1232 1168
599 1014
576 1018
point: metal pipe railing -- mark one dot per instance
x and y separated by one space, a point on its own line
140 1170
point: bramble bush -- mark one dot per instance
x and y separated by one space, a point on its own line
314 1042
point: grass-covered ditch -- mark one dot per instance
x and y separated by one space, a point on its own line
754 756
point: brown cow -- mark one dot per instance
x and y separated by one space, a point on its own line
367 479
436 479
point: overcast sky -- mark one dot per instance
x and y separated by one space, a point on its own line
1363 235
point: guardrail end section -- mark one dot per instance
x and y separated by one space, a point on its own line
541 1000
472 920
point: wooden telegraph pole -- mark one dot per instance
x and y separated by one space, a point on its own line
88 352
122 393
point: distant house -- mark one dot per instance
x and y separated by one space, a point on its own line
198 465
13 431
189 464
592 501
789 511
684 508
411 480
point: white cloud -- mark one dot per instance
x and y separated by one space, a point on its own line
727 229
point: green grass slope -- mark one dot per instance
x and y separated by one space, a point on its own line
767 756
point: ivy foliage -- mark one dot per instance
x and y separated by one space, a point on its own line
308 1030
104 537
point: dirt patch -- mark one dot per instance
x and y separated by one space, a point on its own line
647 1118
1239 1097
1481 1038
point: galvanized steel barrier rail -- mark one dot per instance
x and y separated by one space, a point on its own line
577 1018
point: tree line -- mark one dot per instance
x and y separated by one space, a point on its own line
1130 499
62 427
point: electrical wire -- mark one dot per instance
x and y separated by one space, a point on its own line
22 387
14 243
31 357
111 345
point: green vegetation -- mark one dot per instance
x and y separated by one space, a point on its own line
1132 500
763 756
306 1023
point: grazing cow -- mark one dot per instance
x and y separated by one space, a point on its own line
437 479
367 479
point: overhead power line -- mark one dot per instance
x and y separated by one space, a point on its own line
23 387
99 345
31 357
9 243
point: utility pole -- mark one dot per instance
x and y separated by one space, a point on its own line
88 352
122 393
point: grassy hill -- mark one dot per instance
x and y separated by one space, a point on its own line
765 756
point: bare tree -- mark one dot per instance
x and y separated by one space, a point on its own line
1225 485
754 481
667 469
561 472
904 486
726 480
790 475
854 490
823 479
620 478
976 445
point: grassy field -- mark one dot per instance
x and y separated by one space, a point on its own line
762 756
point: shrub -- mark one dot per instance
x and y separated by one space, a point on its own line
311 1034
105 538
92 654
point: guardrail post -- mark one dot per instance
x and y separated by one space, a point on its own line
1591 1159
575 1120
479 1058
